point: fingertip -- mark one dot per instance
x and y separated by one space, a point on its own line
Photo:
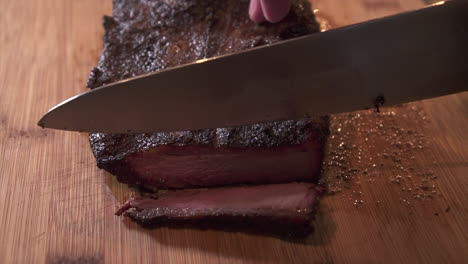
275 10
256 12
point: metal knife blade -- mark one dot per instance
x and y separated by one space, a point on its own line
407 57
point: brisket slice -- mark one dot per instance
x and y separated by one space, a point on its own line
145 36
285 210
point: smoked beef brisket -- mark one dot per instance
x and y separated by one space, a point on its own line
145 36
285 210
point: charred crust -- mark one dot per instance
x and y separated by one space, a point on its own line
256 224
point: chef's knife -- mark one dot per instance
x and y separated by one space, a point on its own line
397 59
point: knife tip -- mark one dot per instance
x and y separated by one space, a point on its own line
41 123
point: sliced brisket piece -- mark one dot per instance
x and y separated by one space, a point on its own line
270 153
145 36
278 209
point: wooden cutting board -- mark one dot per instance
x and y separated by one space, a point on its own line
401 176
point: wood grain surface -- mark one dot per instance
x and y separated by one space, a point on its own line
401 176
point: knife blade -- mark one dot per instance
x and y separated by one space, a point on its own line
402 58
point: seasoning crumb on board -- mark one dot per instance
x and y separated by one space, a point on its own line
368 146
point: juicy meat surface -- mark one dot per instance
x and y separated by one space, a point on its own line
281 209
216 163
145 36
